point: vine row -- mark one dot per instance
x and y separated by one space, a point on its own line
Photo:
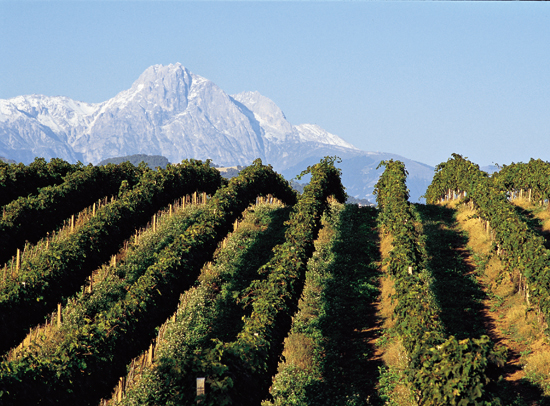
30 218
532 177
442 369
212 309
325 354
59 271
522 249
95 355
250 361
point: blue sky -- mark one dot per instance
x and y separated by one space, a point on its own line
419 79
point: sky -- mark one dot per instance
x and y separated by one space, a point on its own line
418 79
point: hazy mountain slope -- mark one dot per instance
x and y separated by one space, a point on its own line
359 173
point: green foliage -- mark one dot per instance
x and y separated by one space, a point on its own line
253 356
248 361
292 386
454 372
21 180
210 310
534 176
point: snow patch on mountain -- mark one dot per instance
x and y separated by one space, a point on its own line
312 132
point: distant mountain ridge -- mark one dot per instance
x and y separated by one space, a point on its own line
172 112
6 160
152 161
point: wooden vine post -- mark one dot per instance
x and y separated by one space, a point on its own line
59 315
200 388
150 355
119 390
18 261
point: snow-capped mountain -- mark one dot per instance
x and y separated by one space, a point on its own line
168 111
172 112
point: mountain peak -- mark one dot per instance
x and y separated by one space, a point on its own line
159 86
155 72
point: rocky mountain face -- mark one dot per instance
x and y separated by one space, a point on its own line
172 112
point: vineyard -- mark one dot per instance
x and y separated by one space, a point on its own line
120 285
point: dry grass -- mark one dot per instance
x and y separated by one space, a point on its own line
537 369
298 351
544 217
499 281
520 321
478 239
540 212
396 359
539 363
386 305
395 355
523 203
